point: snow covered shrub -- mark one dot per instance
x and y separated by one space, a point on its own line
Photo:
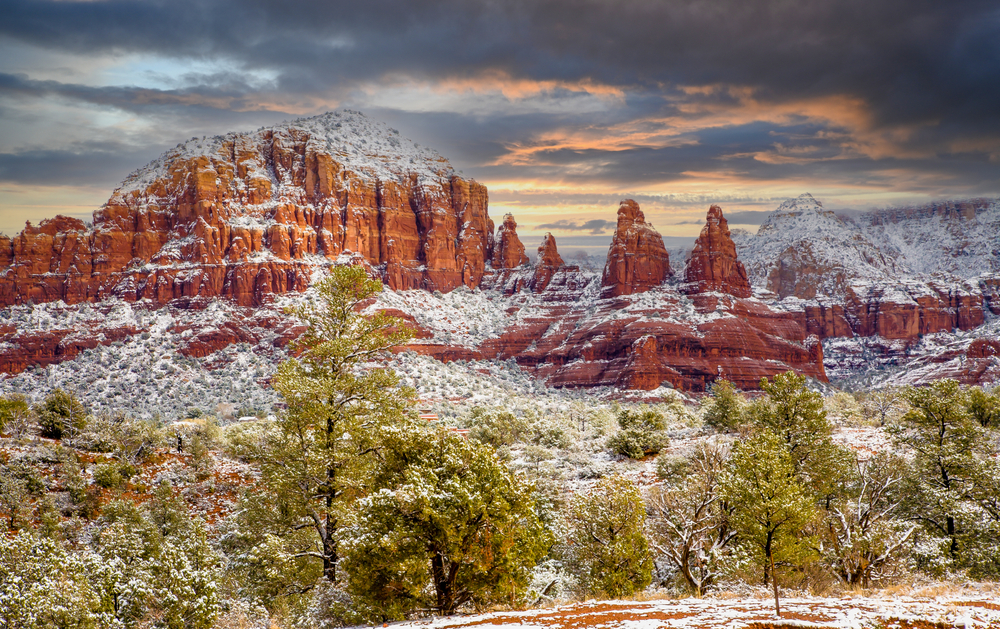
642 433
61 414
496 428
607 541
43 586
130 439
157 565
108 475
550 581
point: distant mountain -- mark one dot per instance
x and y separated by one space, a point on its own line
176 293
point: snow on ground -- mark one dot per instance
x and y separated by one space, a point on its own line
708 613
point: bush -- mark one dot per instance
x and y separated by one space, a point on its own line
496 428
113 475
12 409
641 434
130 439
724 409
610 548
61 414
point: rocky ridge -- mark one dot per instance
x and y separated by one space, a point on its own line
248 215
253 217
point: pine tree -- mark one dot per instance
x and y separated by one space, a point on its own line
771 508
447 525
725 408
318 459
608 539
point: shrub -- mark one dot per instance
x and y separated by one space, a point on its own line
724 409
641 434
12 408
610 548
61 414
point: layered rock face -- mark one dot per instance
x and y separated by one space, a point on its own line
549 261
713 265
850 283
637 259
246 215
508 252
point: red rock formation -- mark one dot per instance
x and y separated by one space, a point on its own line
578 342
637 259
549 261
713 265
508 252
251 214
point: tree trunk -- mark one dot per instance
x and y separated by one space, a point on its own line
774 581
330 555
442 585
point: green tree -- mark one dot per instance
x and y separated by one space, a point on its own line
771 507
725 407
318 458
607 537
688 521
950 448
984 406
447 525
157 564
641 433
61 414
12 409
795 414
42 586
497 428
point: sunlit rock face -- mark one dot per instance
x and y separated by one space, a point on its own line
637 259
247 215
713 265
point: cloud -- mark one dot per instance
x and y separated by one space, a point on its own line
746 217
595 226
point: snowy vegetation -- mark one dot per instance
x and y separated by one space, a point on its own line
347 508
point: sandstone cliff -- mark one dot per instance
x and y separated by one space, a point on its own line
549 261
637 259
508 252
713 265
246 215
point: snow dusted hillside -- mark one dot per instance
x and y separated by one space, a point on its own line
805 250
955 238
370 147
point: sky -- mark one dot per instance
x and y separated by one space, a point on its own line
560 107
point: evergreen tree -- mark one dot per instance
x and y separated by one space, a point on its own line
641 433
984 406
724 409
318 459
771 507
792 412
952 469
608 540
61 414
447 525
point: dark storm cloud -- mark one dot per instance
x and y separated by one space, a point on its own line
87 164
913 61
906 85
595 226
